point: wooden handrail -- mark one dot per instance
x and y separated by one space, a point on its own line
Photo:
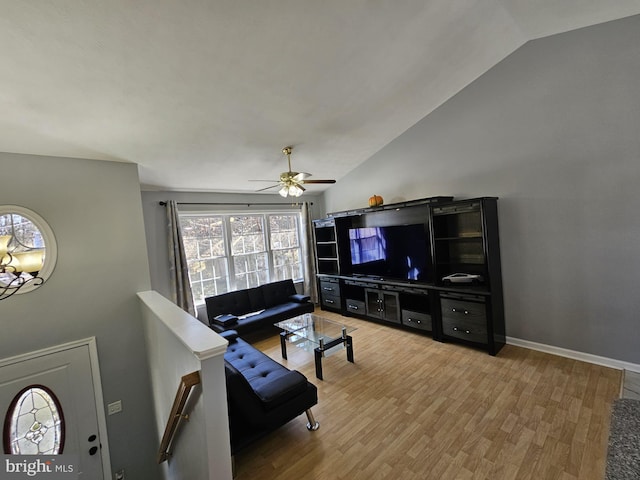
187 382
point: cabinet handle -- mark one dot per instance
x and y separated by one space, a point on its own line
456 329
353 307
455 310
328 289
328 300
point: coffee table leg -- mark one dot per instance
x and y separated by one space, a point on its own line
349 343
318 355
283 344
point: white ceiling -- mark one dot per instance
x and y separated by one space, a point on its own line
203 94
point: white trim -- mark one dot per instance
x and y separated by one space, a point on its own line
102 418
585 357
194 335
91 344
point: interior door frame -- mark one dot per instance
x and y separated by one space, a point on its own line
89 342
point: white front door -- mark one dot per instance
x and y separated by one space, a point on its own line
59 384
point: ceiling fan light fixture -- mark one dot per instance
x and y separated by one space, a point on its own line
295 190
291 190
291 182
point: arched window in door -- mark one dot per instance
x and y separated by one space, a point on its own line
34 423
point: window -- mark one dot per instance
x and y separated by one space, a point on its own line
34 424
27 250
227 252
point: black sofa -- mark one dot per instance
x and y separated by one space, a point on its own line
247 310
262 394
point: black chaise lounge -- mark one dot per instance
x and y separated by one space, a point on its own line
262 394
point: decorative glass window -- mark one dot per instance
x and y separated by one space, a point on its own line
34 424
27 250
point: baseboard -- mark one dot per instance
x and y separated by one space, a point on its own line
585 357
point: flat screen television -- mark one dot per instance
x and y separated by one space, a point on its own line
393 252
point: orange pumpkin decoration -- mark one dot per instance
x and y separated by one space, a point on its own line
375 201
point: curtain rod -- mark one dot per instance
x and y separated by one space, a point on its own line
247 204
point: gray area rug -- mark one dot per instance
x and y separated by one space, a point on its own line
623 456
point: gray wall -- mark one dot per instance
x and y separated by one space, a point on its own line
553 131
94 210
155 222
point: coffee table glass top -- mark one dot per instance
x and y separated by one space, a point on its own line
314 329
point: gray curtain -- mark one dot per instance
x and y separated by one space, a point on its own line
310 281
178 270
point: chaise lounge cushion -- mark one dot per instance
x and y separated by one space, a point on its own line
272 383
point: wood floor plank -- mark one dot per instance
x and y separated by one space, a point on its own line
413 408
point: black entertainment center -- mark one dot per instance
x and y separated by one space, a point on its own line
387 264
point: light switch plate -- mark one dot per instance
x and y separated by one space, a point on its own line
115 407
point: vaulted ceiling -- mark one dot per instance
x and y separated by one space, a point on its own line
204 94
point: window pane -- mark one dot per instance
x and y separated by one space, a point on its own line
204 247
284 231
208 277
34 424
27 235
247 235
287 264
251 270
285 246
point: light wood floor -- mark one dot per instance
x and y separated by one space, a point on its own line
413 408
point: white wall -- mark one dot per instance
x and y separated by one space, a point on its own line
177 345
95 212
553 131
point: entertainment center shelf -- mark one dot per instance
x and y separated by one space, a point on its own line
388 264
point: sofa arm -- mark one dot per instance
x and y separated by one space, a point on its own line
226 320
230 335
299 298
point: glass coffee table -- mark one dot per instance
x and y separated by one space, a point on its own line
312 332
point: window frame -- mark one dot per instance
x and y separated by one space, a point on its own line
229 258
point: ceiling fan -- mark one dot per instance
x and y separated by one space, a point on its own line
291 182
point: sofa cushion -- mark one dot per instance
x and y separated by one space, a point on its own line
234 303
277 293
256 299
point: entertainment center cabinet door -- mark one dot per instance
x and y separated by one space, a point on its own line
382 305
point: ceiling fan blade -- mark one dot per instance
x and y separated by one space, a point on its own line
300 176
318 181
268 188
